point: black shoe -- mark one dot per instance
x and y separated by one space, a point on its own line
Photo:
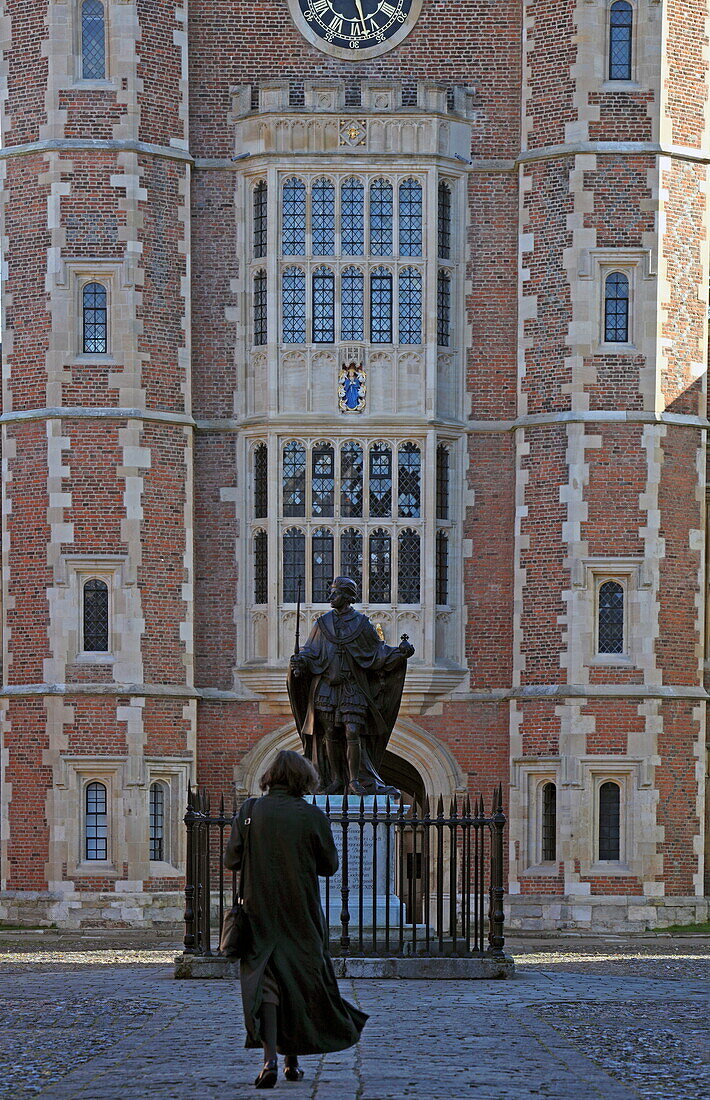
292 1072
268 1075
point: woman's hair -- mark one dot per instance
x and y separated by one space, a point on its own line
293 771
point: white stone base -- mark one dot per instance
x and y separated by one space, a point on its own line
602 913
81 909
411 968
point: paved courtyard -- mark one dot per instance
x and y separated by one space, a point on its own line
86 1016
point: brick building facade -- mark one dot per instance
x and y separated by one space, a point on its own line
429 304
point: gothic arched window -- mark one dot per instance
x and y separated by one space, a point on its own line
443 309
260 327
381 306
323 480
294 563
443 459
157 821
444 221
410 481
293 215
261 195
380 480
442 567
352 218
351 556
96 616
609 821
380 566
351 475
381 218
94 300
96 822
611 617
410 306
352 304
549 822
261 567
261 481
323 306
294 479
323 218
616 308
621 18
293 306
409 566
323 560
410 218
93 40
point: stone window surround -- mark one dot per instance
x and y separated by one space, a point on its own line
79 81
601 42
72 275
80 771
621 85
543 772
174 777
622 775
77 569
637 265
633 575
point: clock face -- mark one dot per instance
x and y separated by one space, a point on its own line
357 28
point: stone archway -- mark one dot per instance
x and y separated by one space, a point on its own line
441 774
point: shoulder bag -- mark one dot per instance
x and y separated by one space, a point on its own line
236 938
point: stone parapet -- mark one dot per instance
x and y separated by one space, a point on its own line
35 909
602 913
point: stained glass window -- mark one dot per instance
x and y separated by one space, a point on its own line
260 307
444 221
443 309
323 306
410 306
381 306
95 616
294 563
352 295
261 481
323 483
442 567
293 231
261 567
352 221
351 471
409 566
96 823
93 40
322 562
381 218
260 218
442 481
380 481
294 479
609 821
380 566
157 821
616 308
293 306
351 556
549 822
410 481
410 218
611 617
621 18
95 319
323 218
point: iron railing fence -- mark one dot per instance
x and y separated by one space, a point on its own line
411 881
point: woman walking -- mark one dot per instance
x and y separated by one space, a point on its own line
291 1000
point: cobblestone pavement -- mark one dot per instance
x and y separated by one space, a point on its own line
85 1017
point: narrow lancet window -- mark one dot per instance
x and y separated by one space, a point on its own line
293 216
410 481
549 822
351 556
381 218
352 221
410 218
410 306
409 566
260 324
261 481
352 297
323 218
293 306
621 18
95 319
609 821
96 616
444 226
93 40
157 821
323 483
261 568
442 568
294 479
443 309
611 617
322 557
294 563
381 306
96 822
351 477
616 308
380 566
260 219
443 459
380 481
323 306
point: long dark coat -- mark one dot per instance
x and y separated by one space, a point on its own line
290 845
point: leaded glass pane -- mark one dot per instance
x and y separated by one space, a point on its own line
293 306
352 295
443 309
294 479
351 472
616 308
93 40
323 306
352 221
96 824
323 484
323 218
442 567
260 218
442 481
549 822
410 306
261 567
95 617
381 306
322 562
351 556
260 308
410 481
95 319
410 218
261 481
380 481
294 563
609 821
444 226
380 566
620 29
381 218
611 618
409 566
157 821
293 230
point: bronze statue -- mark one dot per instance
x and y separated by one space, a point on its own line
345 687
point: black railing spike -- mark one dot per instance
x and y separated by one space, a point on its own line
483 808
454 808
207 801
466 809
374 806
221 806
327 803
189 795
500 797
425 809
440 807
362 806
